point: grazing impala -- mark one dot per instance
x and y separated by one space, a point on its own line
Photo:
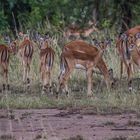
79 54
129 51
46 63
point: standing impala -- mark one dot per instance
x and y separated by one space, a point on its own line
46 63
79 54
25 49
4 62
128 46
122 49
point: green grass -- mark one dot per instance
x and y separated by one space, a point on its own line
104 103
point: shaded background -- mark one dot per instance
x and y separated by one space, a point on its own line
30 14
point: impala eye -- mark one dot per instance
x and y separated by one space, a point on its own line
131 46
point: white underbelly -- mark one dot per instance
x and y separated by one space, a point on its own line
79 66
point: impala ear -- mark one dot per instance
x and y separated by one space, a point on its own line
39 37
137 36
124 37
47 36
108 41
95 42
7 39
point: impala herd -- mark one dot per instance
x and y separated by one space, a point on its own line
75 54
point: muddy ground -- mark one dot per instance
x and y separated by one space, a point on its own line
54 124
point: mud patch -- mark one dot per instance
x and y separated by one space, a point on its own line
54 124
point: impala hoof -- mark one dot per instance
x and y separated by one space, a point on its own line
89 95
8 87
28 81
130 89
3 87
56 95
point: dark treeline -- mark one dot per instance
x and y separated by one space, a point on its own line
24 14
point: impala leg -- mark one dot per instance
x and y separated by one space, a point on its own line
59 83
5 75
43 76
24 72
121 71
129 73
49 81
28 79
89 84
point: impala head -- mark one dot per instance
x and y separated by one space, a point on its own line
103 44
43 41
131 40
11 44
14 46
22 36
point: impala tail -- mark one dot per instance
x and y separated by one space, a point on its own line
28 52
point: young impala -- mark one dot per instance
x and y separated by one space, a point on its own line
25 49
46 62
79 54
4 62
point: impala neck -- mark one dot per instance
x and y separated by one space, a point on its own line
99 56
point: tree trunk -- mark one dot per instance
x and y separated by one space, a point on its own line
126 15
96 12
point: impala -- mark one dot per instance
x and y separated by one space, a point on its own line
129 51
46 63
4 62
25 49
79 54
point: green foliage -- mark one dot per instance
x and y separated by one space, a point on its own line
106 23
61 13
3 22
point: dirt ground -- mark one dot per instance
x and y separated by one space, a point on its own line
54 124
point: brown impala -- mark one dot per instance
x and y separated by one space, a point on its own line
79 54
128 46
25 50
4 62
46 62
